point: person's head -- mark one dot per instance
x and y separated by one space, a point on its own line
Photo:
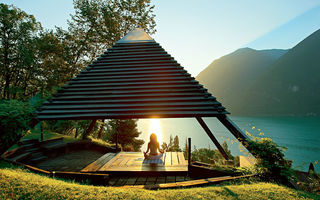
153 138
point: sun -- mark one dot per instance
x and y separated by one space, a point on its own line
155 127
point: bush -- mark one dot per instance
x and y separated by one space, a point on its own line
271 164
15 117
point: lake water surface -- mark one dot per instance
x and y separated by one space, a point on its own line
301 135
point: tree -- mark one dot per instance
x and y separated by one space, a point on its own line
17 50
127 133
96 25
173 144
15 117
34 61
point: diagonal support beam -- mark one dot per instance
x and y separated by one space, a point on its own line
214 140
234 129
90 128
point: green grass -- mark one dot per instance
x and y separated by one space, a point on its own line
101 142
47 135
16 183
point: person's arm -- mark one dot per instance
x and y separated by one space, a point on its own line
159 148
148 148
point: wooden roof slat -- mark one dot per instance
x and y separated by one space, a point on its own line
135 44
128 96
141 72
134 87
150 91
146 50
111 110
158 66
168 114
115 60
128 79
119 105
134 75
115 56
107 63
154 46
164 99
138 56
132 81
132 53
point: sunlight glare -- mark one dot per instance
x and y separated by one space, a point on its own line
155 127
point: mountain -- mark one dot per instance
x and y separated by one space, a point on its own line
268 82
291 85
228 76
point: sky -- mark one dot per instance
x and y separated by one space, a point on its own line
197 32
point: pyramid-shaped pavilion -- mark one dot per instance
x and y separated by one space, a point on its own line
136 78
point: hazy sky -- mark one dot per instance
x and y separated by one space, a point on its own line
197 32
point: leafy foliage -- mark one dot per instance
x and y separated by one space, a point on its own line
33 60
127 134
17 51
173 144
15 117
271 163
212 156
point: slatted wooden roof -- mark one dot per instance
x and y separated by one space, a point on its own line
135 78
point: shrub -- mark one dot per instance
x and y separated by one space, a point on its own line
15 117
271 163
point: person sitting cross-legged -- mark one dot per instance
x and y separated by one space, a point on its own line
153 147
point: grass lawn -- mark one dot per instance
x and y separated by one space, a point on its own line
16 183
36 134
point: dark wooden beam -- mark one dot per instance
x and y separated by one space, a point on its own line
189 152
33 122
101 129
234 129
90 128
41 128
214 140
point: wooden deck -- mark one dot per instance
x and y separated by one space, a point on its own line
173 162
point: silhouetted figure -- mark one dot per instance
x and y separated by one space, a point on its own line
311 168
154 147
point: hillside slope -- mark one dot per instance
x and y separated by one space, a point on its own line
227 77
21 184
291 85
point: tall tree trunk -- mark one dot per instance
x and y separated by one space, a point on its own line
76 134
101 129
88 131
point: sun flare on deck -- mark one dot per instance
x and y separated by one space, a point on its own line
155 127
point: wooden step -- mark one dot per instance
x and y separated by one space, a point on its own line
29 146
37 154
20 157
33 149
39 159
28 141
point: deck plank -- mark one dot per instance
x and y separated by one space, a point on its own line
182 160
94 166
132 162
168 159
175 160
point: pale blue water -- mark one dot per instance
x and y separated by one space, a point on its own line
301 135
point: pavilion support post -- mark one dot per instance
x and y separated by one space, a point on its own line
189 153
90 128
41 130
214 140
117 135
234 129
101 129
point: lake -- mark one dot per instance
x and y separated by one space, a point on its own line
299 134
